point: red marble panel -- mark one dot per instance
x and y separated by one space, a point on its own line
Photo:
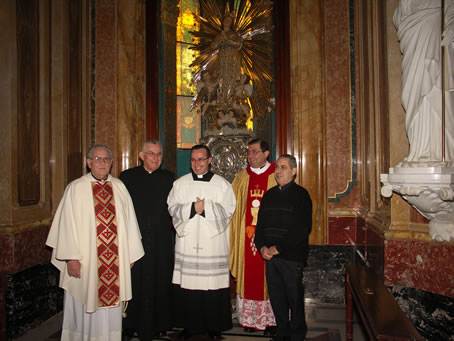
396 260
432 267
360 237
30 248
421 265
341 230
6 251
23 249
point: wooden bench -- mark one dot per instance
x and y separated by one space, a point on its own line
379 311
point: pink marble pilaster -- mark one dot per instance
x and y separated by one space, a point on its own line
339 133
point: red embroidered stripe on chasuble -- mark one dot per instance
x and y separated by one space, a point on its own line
254 266
107 244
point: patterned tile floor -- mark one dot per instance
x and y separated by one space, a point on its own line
325 322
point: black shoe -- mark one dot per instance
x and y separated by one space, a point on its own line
159 335
249 330
184 335
214 335
128 334
270 331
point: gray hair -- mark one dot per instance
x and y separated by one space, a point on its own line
99 146
153 141
291 160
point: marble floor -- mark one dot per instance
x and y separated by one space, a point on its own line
325 322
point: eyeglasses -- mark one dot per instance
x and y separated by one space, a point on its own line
152 154
199 160
254 152
99 159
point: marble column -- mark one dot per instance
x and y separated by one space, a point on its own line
130 81
307 106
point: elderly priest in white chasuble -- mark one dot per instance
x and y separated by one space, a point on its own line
95 240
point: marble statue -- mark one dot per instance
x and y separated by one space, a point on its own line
419 31
423 179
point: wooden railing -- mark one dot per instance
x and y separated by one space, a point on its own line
379 311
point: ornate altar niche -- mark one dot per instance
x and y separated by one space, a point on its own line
233 73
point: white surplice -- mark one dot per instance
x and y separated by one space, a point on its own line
202 242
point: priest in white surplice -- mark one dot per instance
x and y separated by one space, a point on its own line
201 205
95 240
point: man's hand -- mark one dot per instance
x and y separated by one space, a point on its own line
199 205
266 254
73 268
273 250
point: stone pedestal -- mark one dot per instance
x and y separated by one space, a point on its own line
430 191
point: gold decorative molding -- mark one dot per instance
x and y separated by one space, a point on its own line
347 212
405 232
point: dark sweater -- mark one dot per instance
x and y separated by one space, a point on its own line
285 220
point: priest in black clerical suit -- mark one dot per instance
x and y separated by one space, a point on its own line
149 313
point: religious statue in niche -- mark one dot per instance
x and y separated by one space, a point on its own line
420 34
234 64
424 178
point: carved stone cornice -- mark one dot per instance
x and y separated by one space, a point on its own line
430 191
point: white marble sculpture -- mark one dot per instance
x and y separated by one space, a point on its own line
423 178
419 31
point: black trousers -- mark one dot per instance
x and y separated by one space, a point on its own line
285 286
200 311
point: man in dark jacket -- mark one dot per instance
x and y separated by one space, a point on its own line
283 228
148 313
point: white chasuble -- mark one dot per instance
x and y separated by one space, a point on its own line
73 235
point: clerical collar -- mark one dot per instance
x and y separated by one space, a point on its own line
102 180
149 172
283 188
203 177
262 169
